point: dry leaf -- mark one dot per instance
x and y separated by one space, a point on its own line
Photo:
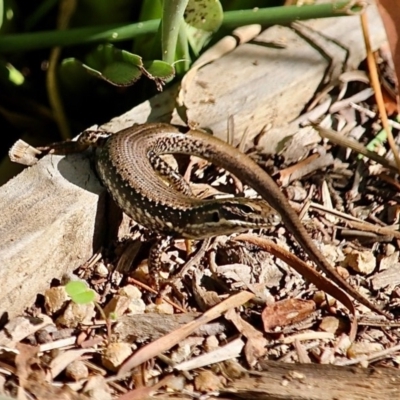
286 312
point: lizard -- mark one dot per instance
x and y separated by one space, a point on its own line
125 162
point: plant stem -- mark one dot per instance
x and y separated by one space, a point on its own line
116 33
173 11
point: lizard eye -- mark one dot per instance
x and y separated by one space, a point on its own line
215 216
246 209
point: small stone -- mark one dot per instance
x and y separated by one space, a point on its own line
141 273
211 343
207 381
181 354
97 388
363 262
101 270
164 308
332 325
176 383
43 336
362 348
117 306
46 335
55 299
76 314
77 370
320 298
115 354
137 306
130 291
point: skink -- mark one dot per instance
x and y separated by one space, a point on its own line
125 163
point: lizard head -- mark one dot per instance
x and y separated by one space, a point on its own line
226 216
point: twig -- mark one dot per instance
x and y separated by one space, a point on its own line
360 224
340 140
377 88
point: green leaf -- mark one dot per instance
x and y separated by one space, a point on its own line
75 287
118 67
157 69
121 68
204 14
79 292
84 298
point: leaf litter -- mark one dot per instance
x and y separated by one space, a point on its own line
242 305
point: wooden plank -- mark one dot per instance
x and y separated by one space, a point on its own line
49 218
52 214
265 86
285 381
